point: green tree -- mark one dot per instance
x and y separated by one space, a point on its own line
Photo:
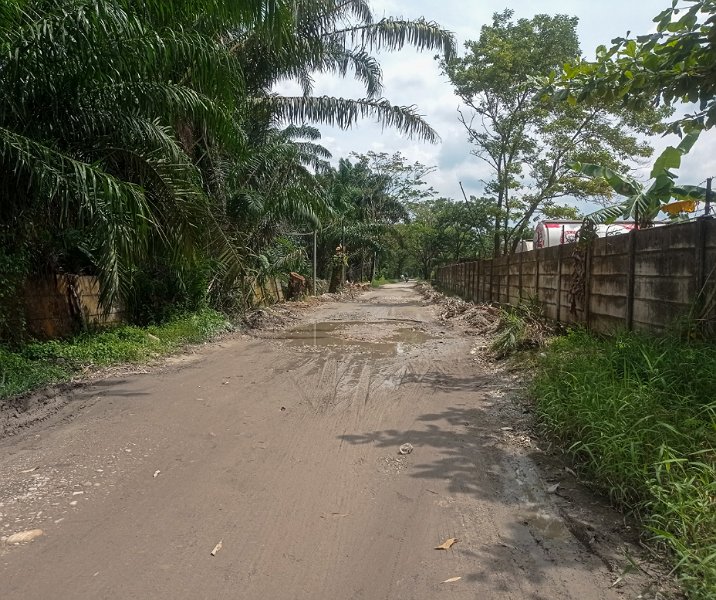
644 203
442 231
142 139
369 193
529 145
671 66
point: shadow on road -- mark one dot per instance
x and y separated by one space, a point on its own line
533 544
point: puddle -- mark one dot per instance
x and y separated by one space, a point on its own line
377 338
550 527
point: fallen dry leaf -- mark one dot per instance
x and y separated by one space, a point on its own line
447 544
452 580
217 548
24 536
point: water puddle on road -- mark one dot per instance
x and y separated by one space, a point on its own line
379 338
550 527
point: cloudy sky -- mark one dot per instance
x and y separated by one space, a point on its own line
412 78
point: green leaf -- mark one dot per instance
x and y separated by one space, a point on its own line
670 158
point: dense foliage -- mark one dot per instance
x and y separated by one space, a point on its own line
529 145
672 65
638 416
142 142
42 363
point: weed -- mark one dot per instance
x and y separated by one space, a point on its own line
376 283
638 416
43 363
520 327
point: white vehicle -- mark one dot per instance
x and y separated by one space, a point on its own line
554 233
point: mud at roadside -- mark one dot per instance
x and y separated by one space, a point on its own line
62 401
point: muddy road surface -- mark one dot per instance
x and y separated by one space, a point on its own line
284 447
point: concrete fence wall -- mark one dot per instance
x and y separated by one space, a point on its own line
59 305
641 280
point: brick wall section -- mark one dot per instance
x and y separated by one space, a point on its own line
642 280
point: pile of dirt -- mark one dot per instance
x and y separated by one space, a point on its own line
349 292
279 316
273 317
482 317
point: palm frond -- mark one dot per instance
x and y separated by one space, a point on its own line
344 113
394 34
340 60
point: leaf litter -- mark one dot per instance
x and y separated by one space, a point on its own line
447 544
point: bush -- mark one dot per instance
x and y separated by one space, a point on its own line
376 283
13 270
43 363
521 327
638 416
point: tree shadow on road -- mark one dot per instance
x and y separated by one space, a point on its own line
476 459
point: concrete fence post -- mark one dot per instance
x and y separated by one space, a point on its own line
631 269
700 264
588 259
560 252
479 280
492 277
537 274
507 295
473 269
519 278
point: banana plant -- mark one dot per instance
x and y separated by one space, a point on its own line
644 202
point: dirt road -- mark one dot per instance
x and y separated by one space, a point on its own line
286 449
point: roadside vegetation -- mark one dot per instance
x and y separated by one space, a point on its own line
42 363
637 416
164 163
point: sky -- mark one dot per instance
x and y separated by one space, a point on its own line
412 78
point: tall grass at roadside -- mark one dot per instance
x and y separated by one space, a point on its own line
637 415
43 363
521 327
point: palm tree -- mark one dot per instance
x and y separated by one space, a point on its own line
132 129
89 156
336 36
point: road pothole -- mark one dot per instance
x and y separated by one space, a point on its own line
377 338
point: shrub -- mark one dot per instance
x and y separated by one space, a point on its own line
42 363
638 416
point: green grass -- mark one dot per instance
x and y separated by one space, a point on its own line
43 363
638 417
376 283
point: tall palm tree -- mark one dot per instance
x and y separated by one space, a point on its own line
128 127
88 100
337 36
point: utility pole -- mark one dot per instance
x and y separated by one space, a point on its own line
707 208
345 255
315 244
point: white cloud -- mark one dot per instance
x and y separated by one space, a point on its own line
411 78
